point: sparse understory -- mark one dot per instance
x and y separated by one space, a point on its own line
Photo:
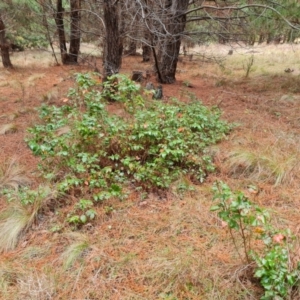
108 194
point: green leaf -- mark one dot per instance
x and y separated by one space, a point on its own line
91 214
83 219
214 208
233 224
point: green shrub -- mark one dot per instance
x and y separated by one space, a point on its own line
82 213
83 146
276 274
248 222
25 40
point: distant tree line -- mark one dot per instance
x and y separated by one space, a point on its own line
158 27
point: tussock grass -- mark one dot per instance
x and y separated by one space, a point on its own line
277 164
20 214
75 250
8 128
12 175
14 220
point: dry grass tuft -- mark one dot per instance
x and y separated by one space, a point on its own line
36 286
10 116
13 176
172 271
51 95
14 220
8 128
31 79
8 279
4 83
33 58
20 214
270 165
75 250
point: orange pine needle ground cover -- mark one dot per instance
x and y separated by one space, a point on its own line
167 247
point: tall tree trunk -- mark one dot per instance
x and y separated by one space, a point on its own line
146 46
146 53
261 38
132 48
59 20
75 32
112 57
4 47
269 38
147 50
70 58
175 19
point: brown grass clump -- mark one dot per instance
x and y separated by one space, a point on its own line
264 168
278 163
8 279
13 221
12 175
21 283
20 214
34 286
75 250
8 128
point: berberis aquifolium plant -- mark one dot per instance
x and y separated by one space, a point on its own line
97 155
248 223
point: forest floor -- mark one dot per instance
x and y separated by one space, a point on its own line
154 248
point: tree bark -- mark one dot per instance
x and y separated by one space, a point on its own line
175 20
146 48
132 48
4 46
112 57
146 53
70 58
75 32
59 20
